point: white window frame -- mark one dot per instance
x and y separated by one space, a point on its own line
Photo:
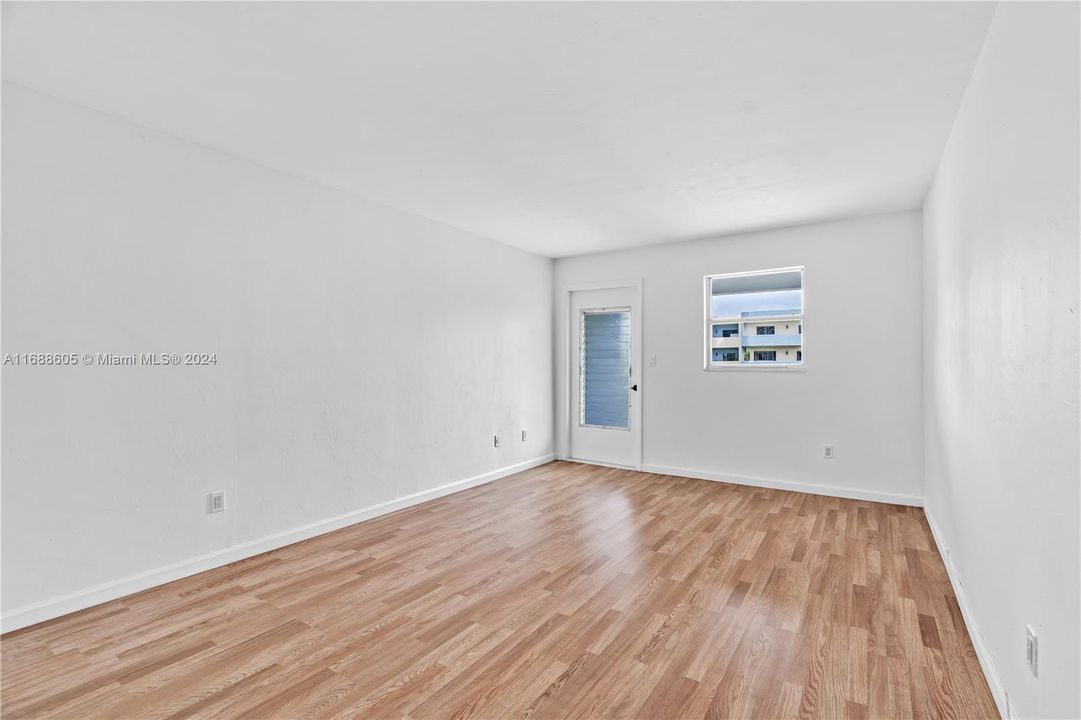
741 365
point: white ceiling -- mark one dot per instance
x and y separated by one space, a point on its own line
559 128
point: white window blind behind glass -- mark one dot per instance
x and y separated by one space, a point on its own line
606 363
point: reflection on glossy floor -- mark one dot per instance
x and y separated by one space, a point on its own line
564 591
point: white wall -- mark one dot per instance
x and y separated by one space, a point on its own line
364 354
1001 311
769 426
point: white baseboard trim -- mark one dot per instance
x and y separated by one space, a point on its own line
994 681
813 489
88 597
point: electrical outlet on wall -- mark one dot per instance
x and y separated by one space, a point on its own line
215 502
827 452
495 441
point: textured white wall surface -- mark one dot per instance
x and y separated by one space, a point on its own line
364 354
1001 312
771 424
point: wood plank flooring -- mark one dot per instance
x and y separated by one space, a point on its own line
568 591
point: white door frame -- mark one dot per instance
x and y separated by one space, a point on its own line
571 368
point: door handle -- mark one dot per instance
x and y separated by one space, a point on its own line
634 387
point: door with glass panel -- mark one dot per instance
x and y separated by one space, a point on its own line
604 390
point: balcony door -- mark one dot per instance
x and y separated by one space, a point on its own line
605 384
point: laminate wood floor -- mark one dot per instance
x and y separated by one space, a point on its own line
568 591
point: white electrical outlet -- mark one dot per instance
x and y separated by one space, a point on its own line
653 361
1032 650
215 502
495 442
827 452
523 435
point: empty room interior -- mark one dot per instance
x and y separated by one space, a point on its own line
541 360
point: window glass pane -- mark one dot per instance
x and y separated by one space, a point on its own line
779 293
606 364
755 318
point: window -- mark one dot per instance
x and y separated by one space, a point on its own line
754 318
723 355
605 368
